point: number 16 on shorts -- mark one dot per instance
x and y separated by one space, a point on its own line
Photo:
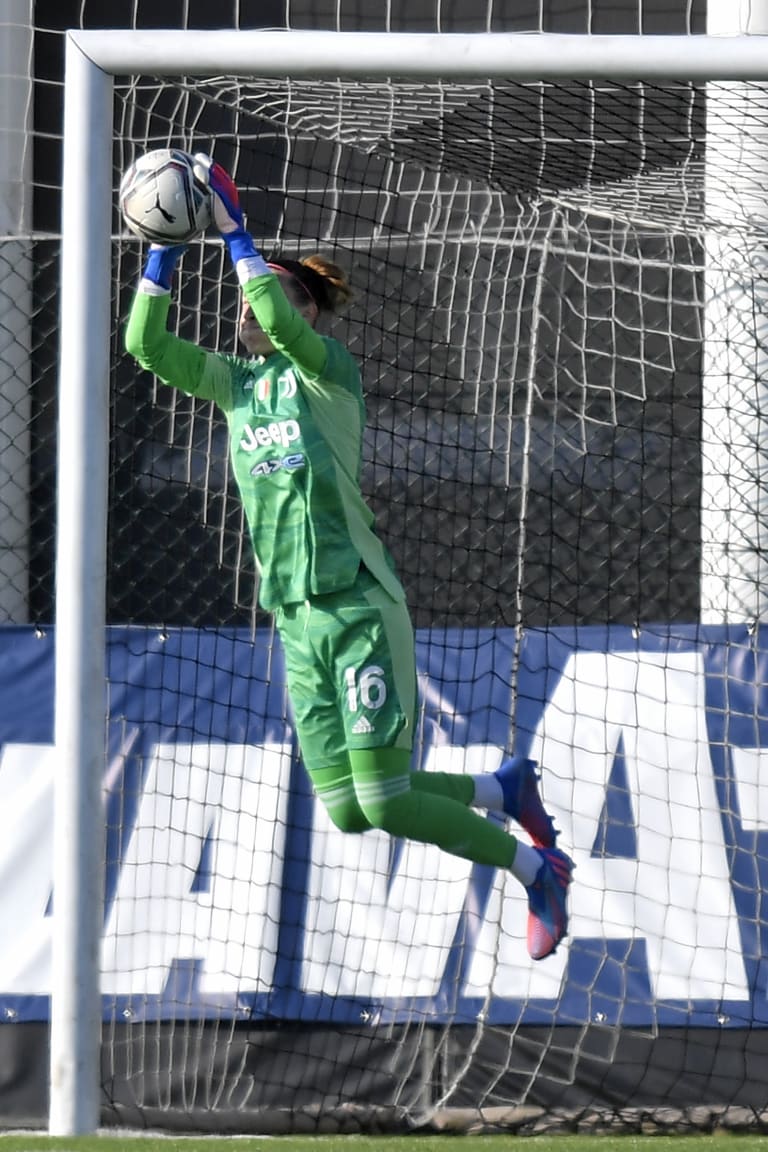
366 688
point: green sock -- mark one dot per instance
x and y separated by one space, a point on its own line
387 795
454 786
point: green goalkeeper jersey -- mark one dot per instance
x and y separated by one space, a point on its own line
296 422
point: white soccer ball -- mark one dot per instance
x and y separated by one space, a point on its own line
164 197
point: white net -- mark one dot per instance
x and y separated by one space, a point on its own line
560 314
531 264
526 292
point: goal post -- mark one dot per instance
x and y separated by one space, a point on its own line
93 59
83 451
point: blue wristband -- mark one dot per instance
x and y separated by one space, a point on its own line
161 264
240 244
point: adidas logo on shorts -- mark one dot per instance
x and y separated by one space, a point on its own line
362 727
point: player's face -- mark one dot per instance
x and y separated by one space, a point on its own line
252 337
254 340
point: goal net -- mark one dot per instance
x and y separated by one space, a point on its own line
558 315
529 317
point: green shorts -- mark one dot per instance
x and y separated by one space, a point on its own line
351 671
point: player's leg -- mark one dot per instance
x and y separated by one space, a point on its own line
316 710
320 696
349 641
383 785
315 714
334 786
511 789
375 643
371 640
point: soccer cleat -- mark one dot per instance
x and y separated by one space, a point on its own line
547 903
522 801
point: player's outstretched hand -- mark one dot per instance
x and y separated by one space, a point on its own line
225 208
228 218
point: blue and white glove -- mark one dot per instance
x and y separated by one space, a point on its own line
159 268
228 218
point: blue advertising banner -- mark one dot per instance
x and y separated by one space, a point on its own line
230 894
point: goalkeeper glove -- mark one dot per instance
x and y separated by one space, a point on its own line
228 218
160 265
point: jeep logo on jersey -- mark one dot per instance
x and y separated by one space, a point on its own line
282 432
287 463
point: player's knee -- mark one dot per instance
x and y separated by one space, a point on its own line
348 817
384 813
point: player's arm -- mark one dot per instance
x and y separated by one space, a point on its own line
180 363
287 329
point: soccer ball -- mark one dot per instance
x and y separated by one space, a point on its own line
164 197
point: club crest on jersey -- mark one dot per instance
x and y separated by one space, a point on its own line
287 386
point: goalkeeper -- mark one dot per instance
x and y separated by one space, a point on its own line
295 413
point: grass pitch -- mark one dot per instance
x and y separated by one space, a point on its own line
718 1142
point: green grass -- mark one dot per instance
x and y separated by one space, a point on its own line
719 1142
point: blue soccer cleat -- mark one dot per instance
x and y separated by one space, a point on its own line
547 903
522 801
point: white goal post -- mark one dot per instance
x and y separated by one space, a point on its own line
93 58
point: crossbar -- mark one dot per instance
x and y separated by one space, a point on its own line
519 56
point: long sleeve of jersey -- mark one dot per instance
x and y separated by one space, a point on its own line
177 362
286 328
186 366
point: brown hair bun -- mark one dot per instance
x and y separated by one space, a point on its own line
338 290
323 281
